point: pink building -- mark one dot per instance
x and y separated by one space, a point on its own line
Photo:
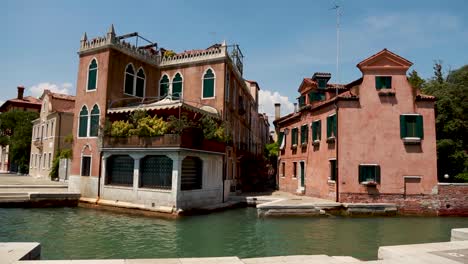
169 172
375 142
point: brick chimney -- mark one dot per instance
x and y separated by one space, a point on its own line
20 92
277 111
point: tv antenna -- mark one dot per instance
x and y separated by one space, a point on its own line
337 8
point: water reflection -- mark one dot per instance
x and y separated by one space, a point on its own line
78 233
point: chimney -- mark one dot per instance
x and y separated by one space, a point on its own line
277 111
295 107
20 92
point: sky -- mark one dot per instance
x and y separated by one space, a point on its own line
282 41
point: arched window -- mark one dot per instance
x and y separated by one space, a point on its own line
83 125
140 83
129 79
208 84
92 75
164 86
177 86
94 124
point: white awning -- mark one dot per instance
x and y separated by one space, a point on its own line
163 105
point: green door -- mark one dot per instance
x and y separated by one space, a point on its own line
302 174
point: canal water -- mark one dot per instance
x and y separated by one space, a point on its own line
79 233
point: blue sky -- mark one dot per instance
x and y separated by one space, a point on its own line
283 41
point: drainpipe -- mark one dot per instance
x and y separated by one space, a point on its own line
337 180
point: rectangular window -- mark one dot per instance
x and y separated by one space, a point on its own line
321 83
283 169
294 174
44 161
332 170
294 133
331 126
50 160
316 96
227 92
369 173
304 134
316 130
411 126
301 100
383 82
85 166
281 138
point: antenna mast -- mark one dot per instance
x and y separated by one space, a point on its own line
337 8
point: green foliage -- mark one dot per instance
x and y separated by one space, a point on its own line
63 154
121 129
150 127
137 116
213 130
415 80
451 121
178 125
16 131
271 150
462 177
169 53
68 138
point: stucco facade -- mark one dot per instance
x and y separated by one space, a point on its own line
108 60
55 122
381 151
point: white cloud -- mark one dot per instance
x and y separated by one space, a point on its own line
267 101
37 90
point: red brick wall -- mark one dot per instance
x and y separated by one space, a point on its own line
450 199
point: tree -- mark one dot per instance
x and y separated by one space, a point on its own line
451 121
16 131
415 80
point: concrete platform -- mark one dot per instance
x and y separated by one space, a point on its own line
11 252
27 191
459 234
286 204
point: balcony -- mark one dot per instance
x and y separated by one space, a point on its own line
186 140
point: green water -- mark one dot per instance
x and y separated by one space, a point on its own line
78 233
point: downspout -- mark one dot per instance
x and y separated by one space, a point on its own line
337 180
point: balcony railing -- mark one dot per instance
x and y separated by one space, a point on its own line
165 141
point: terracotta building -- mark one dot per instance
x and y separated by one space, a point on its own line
55 122
169 172
375 141
20 103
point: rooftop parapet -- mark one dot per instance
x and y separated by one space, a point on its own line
111 40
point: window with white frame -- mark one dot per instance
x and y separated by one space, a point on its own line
83 122
164 86
208 84
92 76
94 122
134 84
177 86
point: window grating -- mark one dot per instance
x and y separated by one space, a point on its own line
156 172
120 170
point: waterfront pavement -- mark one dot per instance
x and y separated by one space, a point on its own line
22 189
453 252
280 203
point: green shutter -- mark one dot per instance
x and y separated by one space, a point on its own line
319 129
388 82
177 86
280 137
304 134
83 126
208 88
377 174
314 131
362 173
335 126
92 77
402 126
329 127
378 83
419 127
